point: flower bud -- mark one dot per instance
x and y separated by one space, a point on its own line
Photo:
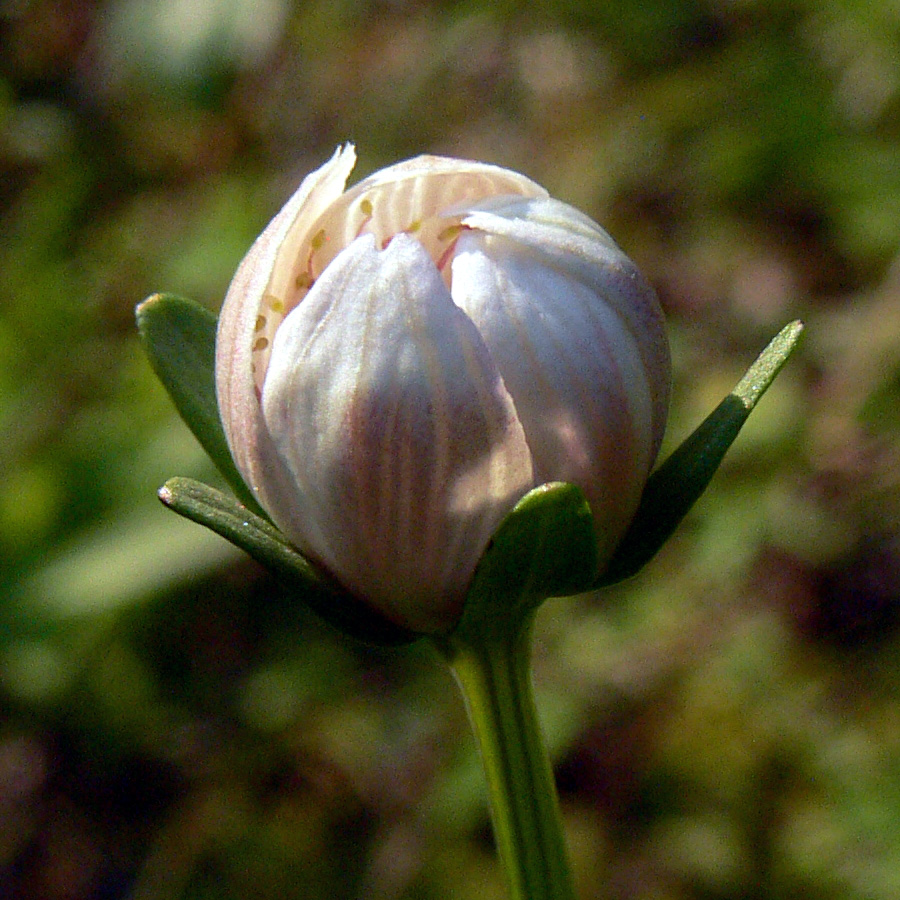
399 363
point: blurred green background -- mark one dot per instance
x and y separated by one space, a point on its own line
724 727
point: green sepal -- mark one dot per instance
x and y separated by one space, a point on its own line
179 337
677 484
224 515
545 547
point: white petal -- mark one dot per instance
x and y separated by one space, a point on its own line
573 368
399 435
252 294
412 197
566 239
433 184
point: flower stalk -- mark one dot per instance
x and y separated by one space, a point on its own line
544 548
493 671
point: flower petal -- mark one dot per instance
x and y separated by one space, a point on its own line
252 295
571 362
566 239
400 438
411 197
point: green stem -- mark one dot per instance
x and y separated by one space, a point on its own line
494 674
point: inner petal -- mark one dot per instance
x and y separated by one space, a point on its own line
409 198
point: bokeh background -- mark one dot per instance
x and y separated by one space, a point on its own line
725 726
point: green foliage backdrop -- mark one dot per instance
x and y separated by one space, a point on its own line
725 726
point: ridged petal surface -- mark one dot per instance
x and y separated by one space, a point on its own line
565 318
566 240
401 441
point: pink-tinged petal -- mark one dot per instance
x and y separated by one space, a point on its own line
560 237
573 368
253 307
411 197
402 443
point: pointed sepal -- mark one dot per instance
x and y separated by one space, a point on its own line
179 337
545 547
231 520
677 484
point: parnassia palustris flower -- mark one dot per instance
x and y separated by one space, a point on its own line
397 364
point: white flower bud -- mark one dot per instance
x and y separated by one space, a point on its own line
399 363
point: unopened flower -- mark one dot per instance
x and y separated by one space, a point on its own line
399 363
